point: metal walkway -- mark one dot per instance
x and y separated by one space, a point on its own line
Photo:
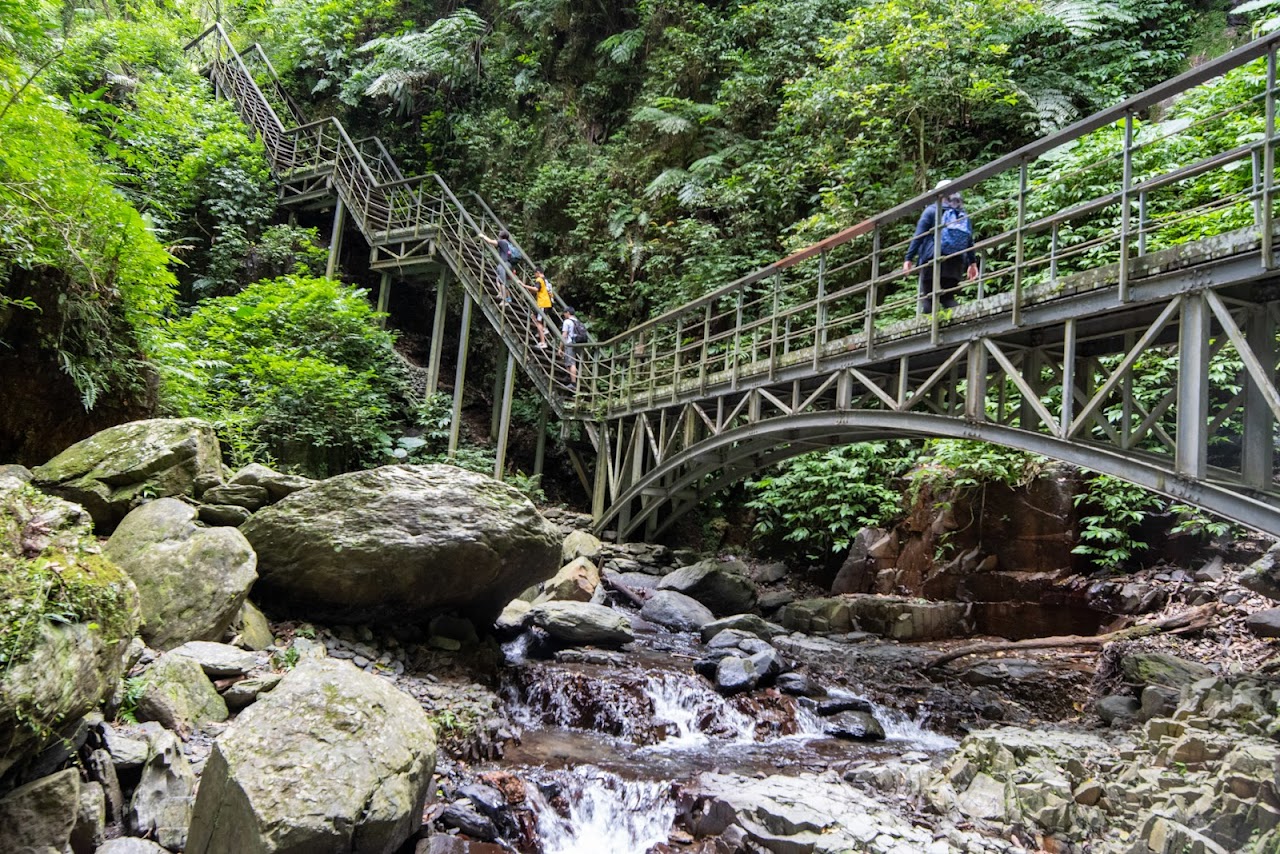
1142 283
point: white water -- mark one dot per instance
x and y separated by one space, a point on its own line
683 702
607 815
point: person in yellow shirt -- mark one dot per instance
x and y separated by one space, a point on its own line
541 291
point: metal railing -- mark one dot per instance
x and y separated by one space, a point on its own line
1044 233
387 207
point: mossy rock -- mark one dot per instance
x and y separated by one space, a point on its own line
1157 668
114 470
67 613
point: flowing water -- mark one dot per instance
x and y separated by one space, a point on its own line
613 734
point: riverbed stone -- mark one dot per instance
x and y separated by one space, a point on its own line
756 625
191 580
222 515
1263 575
248 496
575 582
581 544
178 695
735 674
277 484
722 590
218 660
853 726
581 623
131 845
162 801
1157 701
1158 668
39 816
246 691
111 471
401 543
368 750
1265 624
91 819
1118 709
676 611
250 629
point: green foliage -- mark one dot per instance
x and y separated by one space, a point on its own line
819 501
296 368
133 688
961 464
445 56
1109 534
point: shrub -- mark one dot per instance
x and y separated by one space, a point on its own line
294 370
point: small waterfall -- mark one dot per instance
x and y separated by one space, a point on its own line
898 726
687 707
605 814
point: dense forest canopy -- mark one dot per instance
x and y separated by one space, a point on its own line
646 152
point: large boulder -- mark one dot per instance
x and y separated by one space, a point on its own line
400 543
192 580
177 693
112 471
162 800
40 816
1263 575
357 755
676 611
582 623
721 590
68 615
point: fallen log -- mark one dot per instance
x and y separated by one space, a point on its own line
1192 619
631 594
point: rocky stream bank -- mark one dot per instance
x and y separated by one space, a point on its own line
447 670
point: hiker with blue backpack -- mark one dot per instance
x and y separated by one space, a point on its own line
958 260
508 255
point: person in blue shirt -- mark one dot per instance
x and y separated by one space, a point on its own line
960 263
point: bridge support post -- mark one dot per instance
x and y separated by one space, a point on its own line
384 298
600 488
540 449
1190 453
975 395
437 332
335 238
504 429
1258 448
495 417
460 376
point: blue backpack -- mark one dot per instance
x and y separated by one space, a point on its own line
957 233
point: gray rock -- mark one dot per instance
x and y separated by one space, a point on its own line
113 470
798 685
723 591
767 664
580 544
127 754
636 580
191 580
1003 671
218 659
575 582
161 805
249 496
837 704
1263 575
858 572
369 751
1118 708
131 846
19 473
734 675
100 770
276 484
1265 624
246 691
251 629
731 639
467 820
401 543
758 626
1156 668
775 599
769 573
676 611
222 515
1158 701
178 695
581 623
57 672
40 816
513 619
90 829
1211 571
853 726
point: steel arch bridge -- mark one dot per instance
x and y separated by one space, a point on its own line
1124 321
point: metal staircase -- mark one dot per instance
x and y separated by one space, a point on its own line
408 222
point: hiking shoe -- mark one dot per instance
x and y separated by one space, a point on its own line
542 345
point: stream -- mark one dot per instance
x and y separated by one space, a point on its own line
610 738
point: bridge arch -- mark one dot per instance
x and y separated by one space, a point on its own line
674 486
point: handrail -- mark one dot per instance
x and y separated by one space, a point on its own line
385 211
